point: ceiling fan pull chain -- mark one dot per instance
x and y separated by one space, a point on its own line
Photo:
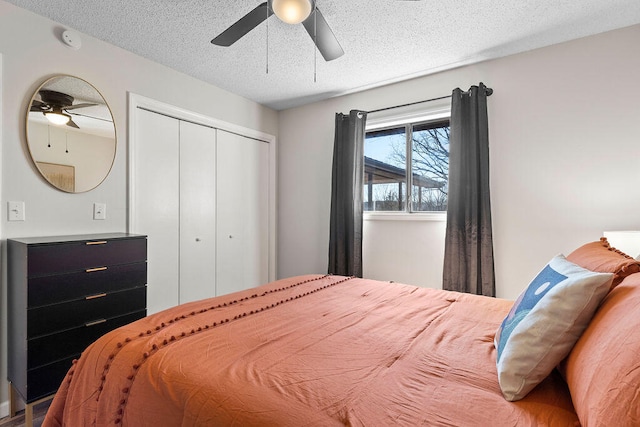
315 49
267 19
49 133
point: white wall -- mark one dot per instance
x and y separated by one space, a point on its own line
564 126
32 52
412 251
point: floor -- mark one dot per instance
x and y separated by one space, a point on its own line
39 411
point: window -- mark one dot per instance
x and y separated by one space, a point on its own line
387 152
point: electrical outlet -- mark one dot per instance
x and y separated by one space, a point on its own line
16 211
99 211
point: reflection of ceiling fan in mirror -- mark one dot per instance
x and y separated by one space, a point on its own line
291 12
56 107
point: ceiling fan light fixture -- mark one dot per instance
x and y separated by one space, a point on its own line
292 11
57 117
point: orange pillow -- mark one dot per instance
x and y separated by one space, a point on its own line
603 368
602 258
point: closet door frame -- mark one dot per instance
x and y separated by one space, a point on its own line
136 101
2 145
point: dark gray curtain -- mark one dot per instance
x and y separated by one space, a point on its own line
345 235
468 254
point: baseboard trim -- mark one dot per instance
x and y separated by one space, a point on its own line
4 409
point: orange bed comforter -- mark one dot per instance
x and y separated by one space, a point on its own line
307 351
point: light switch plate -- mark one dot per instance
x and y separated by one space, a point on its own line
99 211
16 211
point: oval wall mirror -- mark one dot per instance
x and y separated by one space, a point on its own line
71 134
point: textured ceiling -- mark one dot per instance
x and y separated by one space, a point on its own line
384 40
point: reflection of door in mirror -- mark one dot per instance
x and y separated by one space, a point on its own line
71 134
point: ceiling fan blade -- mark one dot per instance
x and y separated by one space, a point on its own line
73 113
39 106
243 26
322 35
73 107
72 124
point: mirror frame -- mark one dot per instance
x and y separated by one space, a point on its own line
35 162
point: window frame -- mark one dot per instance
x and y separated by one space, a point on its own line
436 112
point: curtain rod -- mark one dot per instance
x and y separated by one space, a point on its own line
488 91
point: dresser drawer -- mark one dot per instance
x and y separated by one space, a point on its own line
64 287
47 349
68 257
71 314
44 381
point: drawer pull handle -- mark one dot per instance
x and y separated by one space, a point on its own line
95 322
100 242
95 296
91 270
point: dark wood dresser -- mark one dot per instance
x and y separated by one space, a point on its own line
63 293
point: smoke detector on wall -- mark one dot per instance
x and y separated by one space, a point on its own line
71 39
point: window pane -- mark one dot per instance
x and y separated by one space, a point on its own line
430 167
385 170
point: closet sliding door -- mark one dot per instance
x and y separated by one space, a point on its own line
155 203
202 196
242 212
197 212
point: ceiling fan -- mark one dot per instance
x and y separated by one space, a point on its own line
56 106
291 12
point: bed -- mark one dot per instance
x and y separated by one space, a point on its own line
322 350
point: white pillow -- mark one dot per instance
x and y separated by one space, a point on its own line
544 324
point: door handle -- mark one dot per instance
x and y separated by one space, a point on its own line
95 322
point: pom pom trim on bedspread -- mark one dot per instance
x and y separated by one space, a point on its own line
191 332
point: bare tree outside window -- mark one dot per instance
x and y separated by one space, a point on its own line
430 161
386 179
